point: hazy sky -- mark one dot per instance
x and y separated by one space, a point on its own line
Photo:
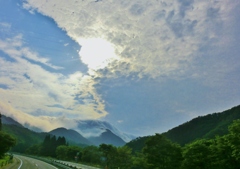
145 66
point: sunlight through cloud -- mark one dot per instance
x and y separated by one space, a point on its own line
96 53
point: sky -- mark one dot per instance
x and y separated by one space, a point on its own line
143 66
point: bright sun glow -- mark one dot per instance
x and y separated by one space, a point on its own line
96 53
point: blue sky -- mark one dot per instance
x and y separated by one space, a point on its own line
143 66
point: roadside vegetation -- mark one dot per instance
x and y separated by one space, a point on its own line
150 152
6 142
158 152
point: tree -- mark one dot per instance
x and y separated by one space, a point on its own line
116 157
223 153
6 142
219 153
139 161
91 154
123 159
34 149
233 141
198 155
64 152
109 152
50 144
61 141
161 153
0 121
46 146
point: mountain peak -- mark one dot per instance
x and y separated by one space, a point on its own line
71 135
10 121
94 128
108 137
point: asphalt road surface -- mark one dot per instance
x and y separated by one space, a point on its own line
30 163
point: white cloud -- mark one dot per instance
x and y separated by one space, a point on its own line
28 7
153 38
4 26
31 89
45 123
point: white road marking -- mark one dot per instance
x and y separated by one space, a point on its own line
21 163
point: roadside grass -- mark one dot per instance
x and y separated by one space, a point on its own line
5 160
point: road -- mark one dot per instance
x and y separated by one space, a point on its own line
30 163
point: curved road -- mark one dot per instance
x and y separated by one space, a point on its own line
30 163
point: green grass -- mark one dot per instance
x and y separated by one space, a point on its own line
5 160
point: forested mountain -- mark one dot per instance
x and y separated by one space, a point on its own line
107 137
204 126
25 137
198 128
10 121
71 135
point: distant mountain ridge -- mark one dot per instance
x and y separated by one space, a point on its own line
204 126
94 128
103 135
109 138
71 135
10 121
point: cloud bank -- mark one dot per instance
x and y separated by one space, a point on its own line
35 93
156 38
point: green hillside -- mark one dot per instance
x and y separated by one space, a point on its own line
25 137
201 127
204 126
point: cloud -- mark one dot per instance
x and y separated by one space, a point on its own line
45 123
153 39
27 87
28 7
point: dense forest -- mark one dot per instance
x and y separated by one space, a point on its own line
213 142
158 152
204 127
6 141
24 137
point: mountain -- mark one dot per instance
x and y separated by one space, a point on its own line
107 137
97 131
10 121
25 137
201 127
94 128
204 126
70 135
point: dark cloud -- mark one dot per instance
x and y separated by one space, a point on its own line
137 9
213 13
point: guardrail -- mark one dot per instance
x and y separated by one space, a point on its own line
75 165
61 164
52 162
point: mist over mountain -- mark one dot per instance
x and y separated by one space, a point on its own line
94 128
10 121
88 132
